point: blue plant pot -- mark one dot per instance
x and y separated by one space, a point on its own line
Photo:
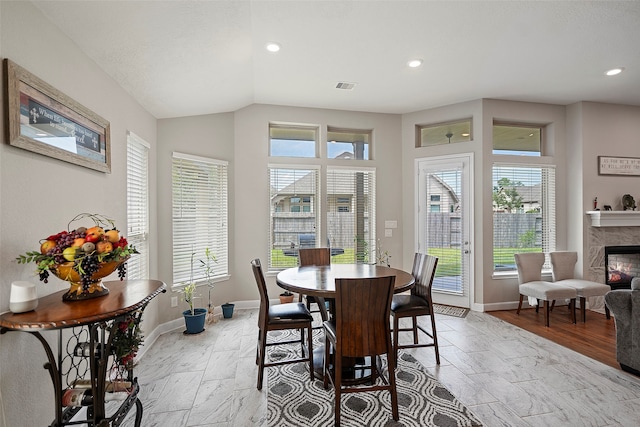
194 322
227 310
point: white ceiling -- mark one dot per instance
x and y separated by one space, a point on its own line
182 58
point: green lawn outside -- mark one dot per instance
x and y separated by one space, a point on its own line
448 258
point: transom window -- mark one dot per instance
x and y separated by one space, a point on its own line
516 139
293 140
348 144
444 133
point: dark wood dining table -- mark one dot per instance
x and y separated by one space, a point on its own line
319 282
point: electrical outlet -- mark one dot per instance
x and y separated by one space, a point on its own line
174 301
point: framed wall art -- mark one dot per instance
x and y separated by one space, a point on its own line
46 121
627 166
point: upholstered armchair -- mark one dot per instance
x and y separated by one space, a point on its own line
625 306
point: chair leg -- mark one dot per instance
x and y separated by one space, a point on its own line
415 329
607 312
538 305
310 350
546 313
262 342
435 337
519 304
325 364
583 309
395 338
392 382
337 384
572 304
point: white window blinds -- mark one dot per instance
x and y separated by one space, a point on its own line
294 213
199 216
524 212
137 232
351 213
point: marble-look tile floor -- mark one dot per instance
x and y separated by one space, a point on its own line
505 375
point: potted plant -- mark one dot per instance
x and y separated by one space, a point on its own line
194 318
227 310
286 297
207 264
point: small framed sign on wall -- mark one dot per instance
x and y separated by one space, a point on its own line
624 166
46 121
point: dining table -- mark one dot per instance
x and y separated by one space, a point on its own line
319 282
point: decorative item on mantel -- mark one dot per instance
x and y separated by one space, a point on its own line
82 256
628 202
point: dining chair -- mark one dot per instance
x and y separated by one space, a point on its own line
563 264
360 330
308 257
529 267
417 303
280 317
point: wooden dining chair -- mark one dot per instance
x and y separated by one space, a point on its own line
280 317
360 329
308 257
417 303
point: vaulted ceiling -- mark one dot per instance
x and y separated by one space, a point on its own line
182 58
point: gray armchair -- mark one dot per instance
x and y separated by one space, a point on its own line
625 306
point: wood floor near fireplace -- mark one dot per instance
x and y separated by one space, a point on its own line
595 339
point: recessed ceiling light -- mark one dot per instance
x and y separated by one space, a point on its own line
414 63
614 71
272 47
465 135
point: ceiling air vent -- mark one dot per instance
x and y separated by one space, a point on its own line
345 85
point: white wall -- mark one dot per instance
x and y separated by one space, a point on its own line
40 195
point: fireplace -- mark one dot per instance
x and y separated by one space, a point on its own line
622 263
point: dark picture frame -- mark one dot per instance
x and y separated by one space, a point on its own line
620 166
44 120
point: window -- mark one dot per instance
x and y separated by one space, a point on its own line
294 212
199 216
348 144
435 198
293 141
443 133
514 139
352 229
524 215
137 232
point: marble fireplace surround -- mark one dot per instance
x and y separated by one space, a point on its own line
609 228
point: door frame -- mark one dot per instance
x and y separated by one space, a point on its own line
468 230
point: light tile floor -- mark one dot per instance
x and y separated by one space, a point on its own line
505 375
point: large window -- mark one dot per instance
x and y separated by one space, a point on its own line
351 214
199 217
138 206
318 203
524 217
294 212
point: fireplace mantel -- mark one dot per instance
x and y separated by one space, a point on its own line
614 218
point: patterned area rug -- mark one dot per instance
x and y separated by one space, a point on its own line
450 310
293 400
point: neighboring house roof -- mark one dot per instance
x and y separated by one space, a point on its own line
447 187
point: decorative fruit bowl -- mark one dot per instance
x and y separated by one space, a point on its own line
94 287
82 256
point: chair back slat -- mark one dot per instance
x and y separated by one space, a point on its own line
424 280
262 288
418 262
314 256
363 307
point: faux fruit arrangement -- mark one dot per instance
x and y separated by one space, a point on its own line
85 249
